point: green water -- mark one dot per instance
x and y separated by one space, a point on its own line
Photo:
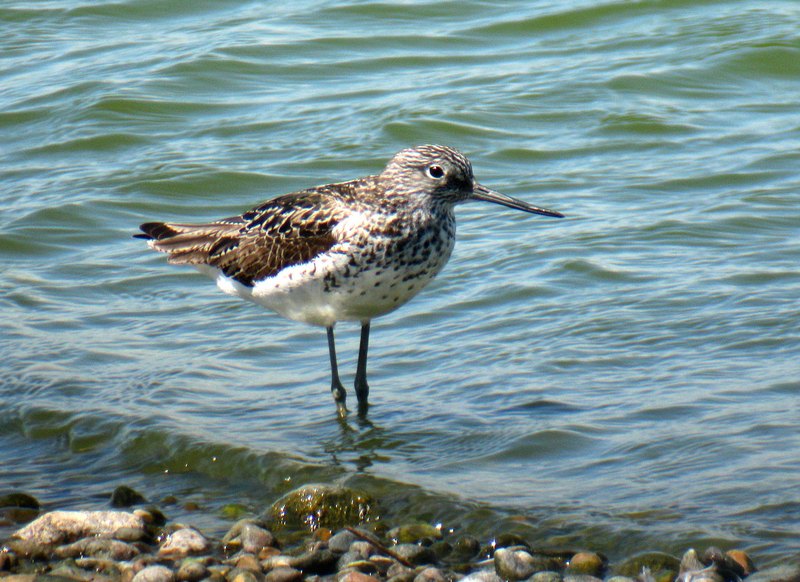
624 379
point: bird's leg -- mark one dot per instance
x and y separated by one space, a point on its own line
361 386
339 394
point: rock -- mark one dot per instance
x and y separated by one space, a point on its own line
410 534
192 570
58 527
340 542
28 549
547 576
124 496
465 548
506 540
354 576
430 575
98 548
619 579
320 562
661 566
239 575
18 499
415 554
234 511
184 542
249 535
482 576
363 566
8 560
586 563
743 560
582 578
692 569
248 562
154 574
315 506
283 574
782 573
514 564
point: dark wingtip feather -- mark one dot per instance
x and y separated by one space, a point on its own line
155 231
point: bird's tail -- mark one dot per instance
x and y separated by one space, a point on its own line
189 244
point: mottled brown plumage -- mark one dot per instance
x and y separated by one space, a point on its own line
348 251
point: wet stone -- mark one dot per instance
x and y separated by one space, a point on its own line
315 506
482 576
546 576
98 547
743 560
250 535
586 563
58 527
154 574
430 575
415 554
191 570
19 499
660 565
318 562
248 562
28 549
619 579
240 575
184 542
354 576
340 542
514 564
782 573
582 578
409 534
283 574
124 496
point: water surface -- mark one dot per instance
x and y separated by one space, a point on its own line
624 379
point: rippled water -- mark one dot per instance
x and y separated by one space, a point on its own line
624 379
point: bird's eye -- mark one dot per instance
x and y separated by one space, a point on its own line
435 172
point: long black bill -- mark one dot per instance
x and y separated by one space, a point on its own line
481 192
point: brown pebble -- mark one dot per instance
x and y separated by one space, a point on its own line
248 562
353 576
586 563
323 534
268 552
283 574
741 558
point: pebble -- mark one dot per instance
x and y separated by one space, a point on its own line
430 575
409 534
283 574
546 576
124 496
191 570
354 576
482 576
154 574
340 541
586 563
98 547
514 564
183 542
415 554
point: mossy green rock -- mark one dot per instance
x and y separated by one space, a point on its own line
663 567
314 506
409 534
586 563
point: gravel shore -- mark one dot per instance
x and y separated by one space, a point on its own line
316 532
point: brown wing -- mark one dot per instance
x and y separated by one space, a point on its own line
285 231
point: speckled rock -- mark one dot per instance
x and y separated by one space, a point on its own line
154 574
514 564
315 506
58 527
184 542
586 563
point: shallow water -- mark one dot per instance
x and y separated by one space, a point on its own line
624 379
